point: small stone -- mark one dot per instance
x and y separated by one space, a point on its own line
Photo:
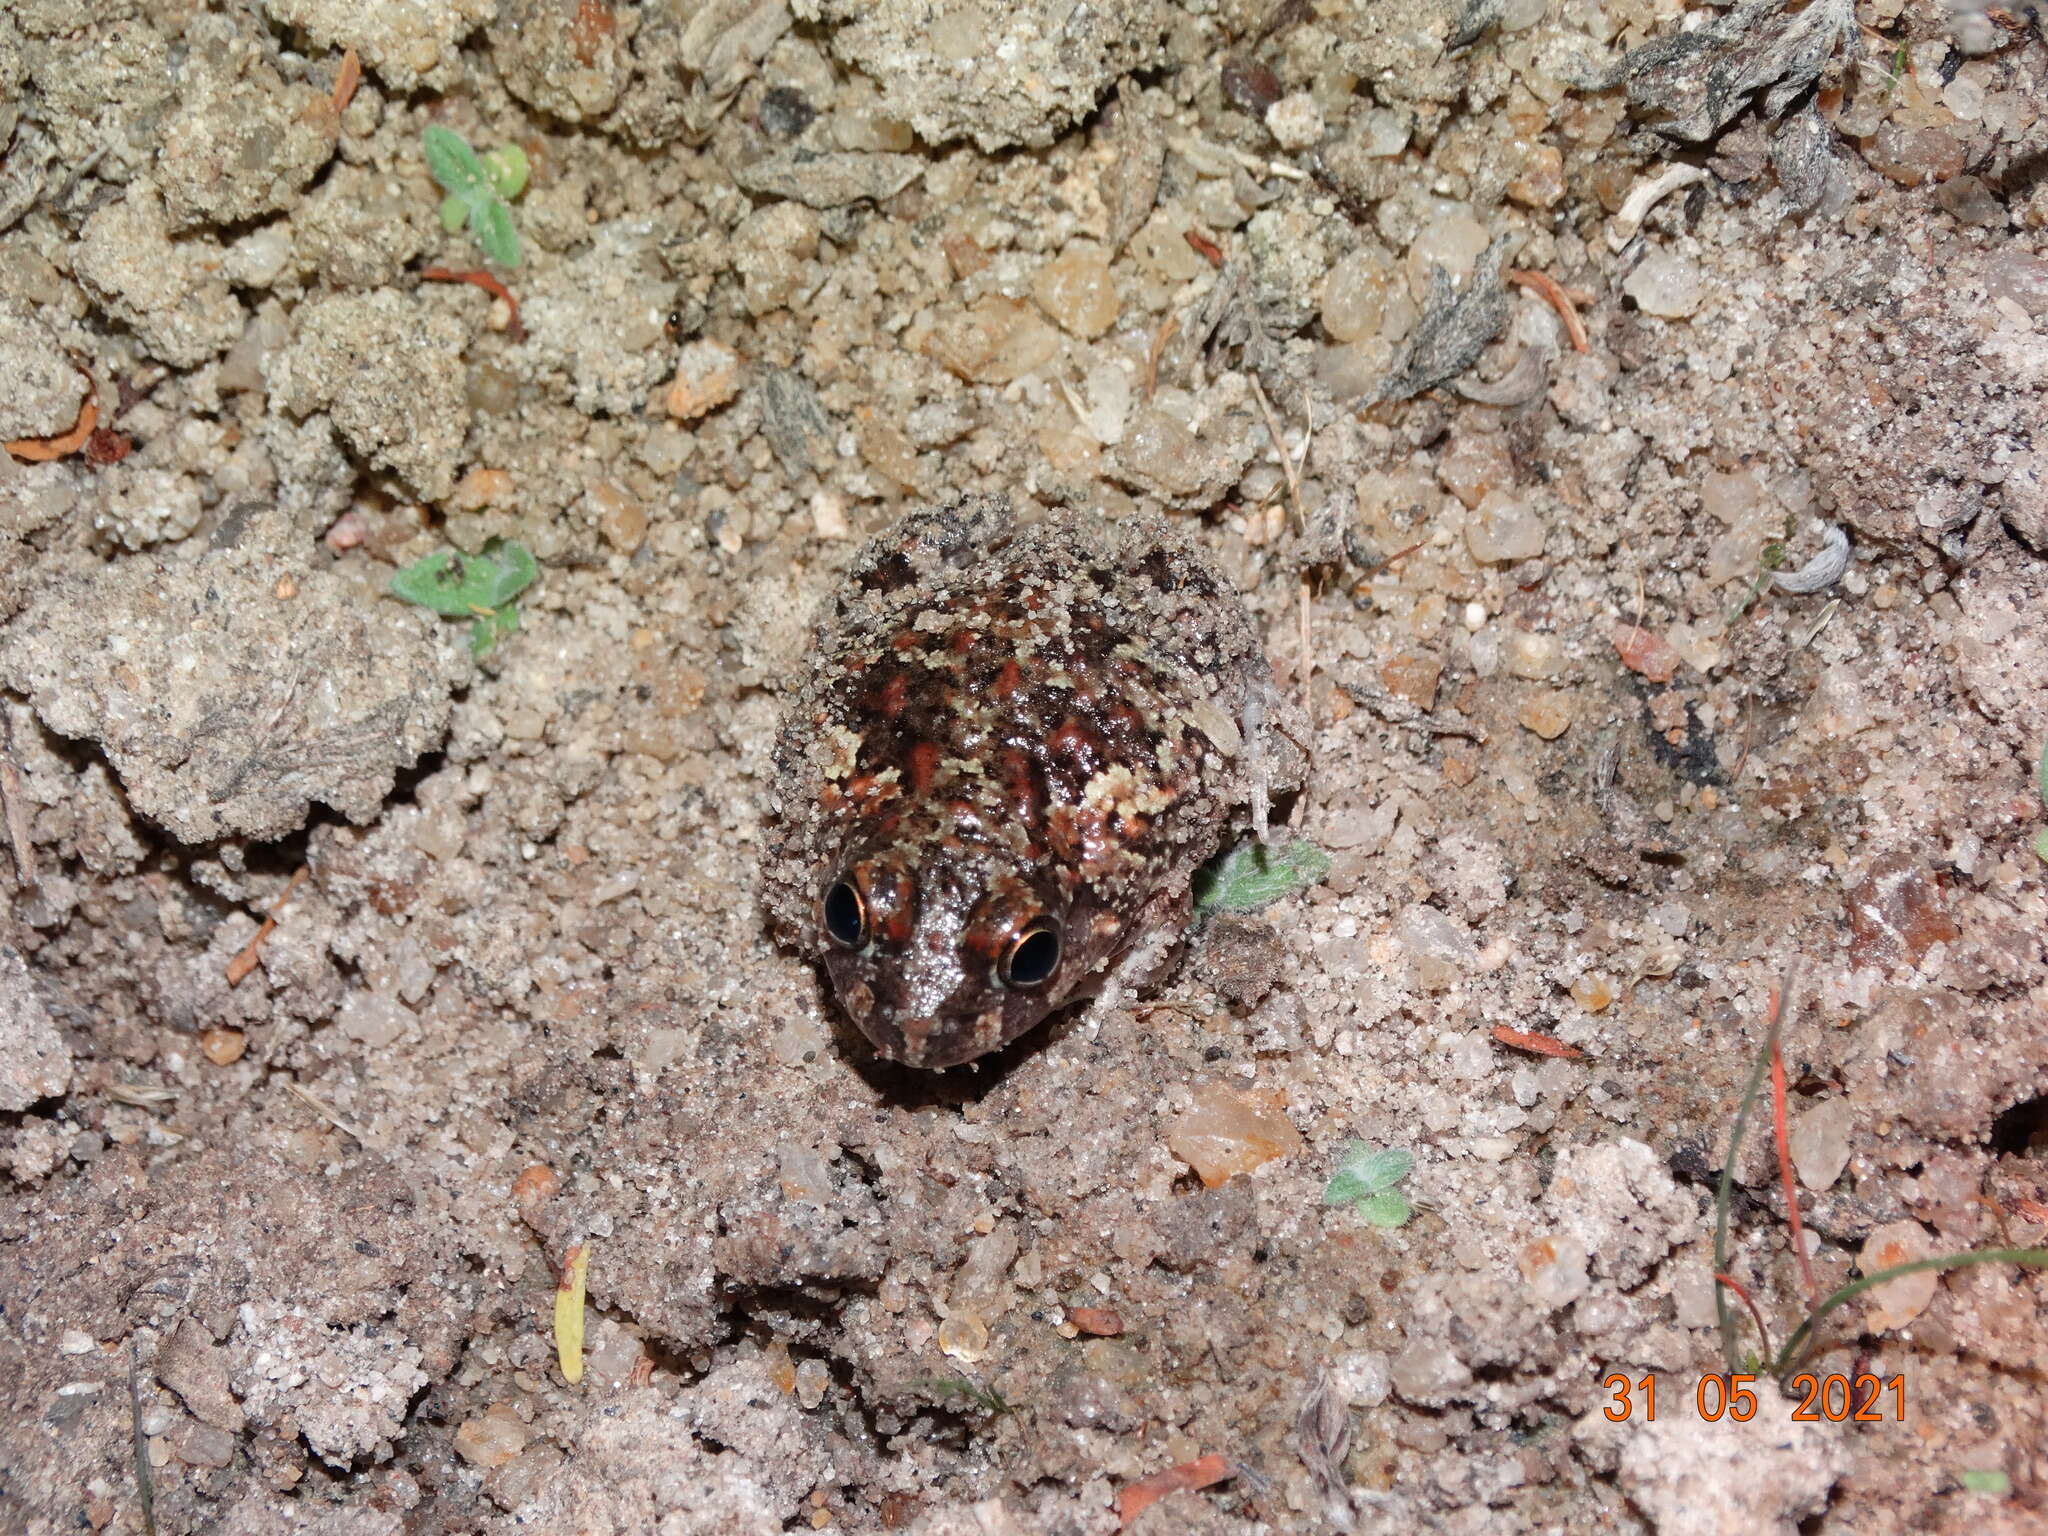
1355 293
1969 201
1665 284
1105 1322
202 1445
1296 121
621 520
536 1185
1912 156
1381 132
1225 1134
1502 530
1897 1302
1896 914
1555 1270
1413 678
223 1047
1820 1142
374 1019
73 1342
1645 652
1078 292
1674 917
996 341
1438 947
1541 183
811 1381
772 250
1593 992
964 1336
1547 712
707 375
492 1439
1532 656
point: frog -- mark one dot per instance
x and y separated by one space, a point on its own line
1012 746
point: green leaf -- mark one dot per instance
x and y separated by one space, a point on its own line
1366 1174
507 170
1985 1480
489 628
452 163
2041 773
490 221
1252 877
454 212
1387 1210
460 586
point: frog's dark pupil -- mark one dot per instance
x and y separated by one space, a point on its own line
1032 959
846 920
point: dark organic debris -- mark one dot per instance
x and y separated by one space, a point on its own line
1690 85
1456 325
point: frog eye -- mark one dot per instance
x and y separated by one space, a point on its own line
845 916
1032 957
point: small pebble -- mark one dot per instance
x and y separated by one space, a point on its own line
811 1381
1078 292
707 375
73 1342
1547 712
492 1439
1225 1134
1897 1302
1593 992
1296 121
1502 530
1666 285
963 1336
1104 1321
223 1047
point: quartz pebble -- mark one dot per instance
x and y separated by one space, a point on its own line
707 375
1532 656
1355 295
1820 1142
964 1336
1078 292
1438 947
1547 712
223 1047
812 1379
995 341
1296 121
491 1439
1225 1134
1665 284
1897 1302
1502 530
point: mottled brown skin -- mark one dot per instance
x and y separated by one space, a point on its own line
1007 727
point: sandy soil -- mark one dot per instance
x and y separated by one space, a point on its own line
1669 612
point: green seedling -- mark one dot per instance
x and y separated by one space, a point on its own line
479 188
1984 1480
987 1399
1252 877
479 588
1768 562
2041 783
1365 1181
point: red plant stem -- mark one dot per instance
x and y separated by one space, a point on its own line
1785 1160
485 281
1756 1314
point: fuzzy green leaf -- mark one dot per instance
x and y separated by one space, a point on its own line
2041 773
1985 1480
490 222
1366 1174
452 163
454 212
1252 877
507 170
1388 1210
489 628
460 586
